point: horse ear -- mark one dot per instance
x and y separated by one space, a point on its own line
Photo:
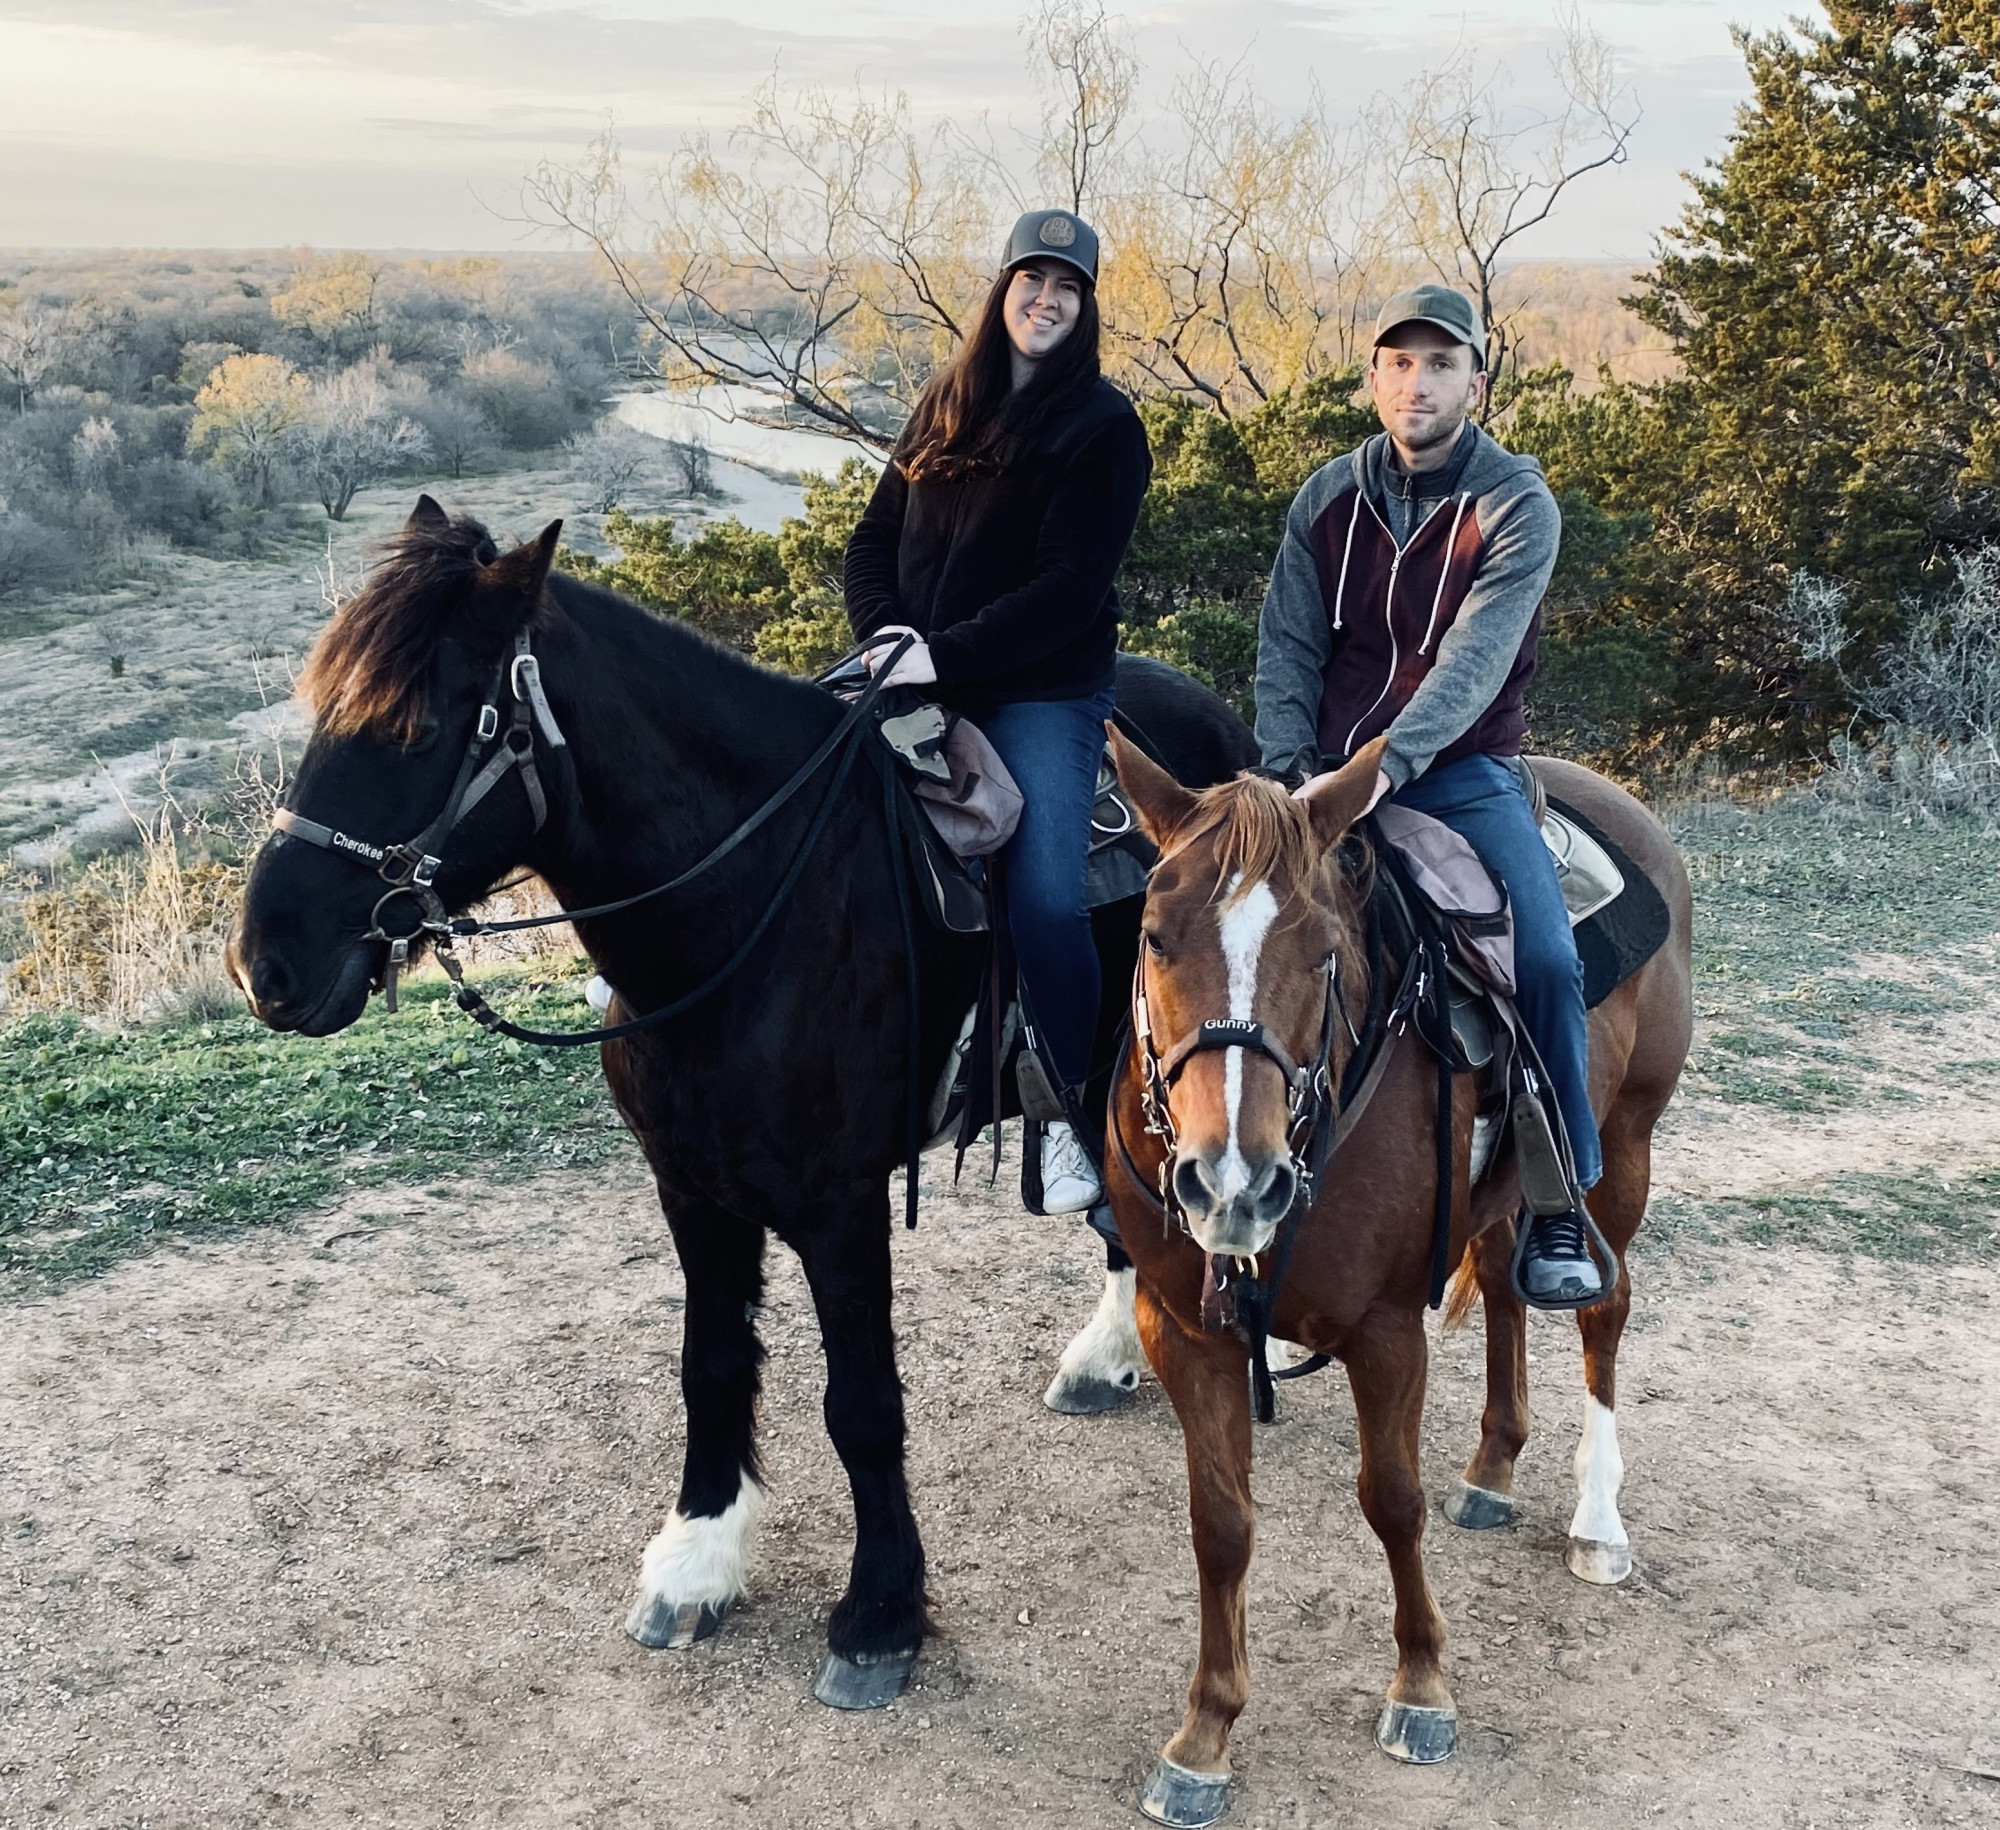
427 517
524 569
1161 803
1338 799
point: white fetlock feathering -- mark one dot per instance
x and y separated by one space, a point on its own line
1107 1347
702 1559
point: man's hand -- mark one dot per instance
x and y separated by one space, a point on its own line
915 668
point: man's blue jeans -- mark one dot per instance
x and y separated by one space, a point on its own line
1051 748
1480 799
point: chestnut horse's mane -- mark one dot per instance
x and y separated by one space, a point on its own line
372 663
1264 835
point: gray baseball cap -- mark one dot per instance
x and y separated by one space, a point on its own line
1053 235
1451 311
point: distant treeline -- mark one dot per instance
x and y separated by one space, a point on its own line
194 399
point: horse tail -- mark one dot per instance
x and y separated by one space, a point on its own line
1462 1292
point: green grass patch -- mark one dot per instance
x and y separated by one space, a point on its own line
1923 1218
110 1141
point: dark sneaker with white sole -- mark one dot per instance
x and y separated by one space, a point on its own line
1554 1267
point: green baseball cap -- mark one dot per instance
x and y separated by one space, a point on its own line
1053 235
1451 311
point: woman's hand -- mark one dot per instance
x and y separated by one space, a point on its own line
914 669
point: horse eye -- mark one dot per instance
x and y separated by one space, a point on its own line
1154 945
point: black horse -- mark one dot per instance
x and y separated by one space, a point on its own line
778 1104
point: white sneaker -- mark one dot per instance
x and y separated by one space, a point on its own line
1069 1183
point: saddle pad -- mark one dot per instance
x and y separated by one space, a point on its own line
1627 931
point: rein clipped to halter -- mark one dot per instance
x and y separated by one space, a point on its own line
411 868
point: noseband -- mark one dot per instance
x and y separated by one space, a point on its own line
1309 1095
410 868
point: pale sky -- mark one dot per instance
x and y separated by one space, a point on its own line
410 123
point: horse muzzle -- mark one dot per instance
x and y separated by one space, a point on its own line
279 997
1233 1204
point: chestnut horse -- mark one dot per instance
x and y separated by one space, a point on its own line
1250 919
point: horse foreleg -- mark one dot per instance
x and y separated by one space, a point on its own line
696 1567
1484 1495
1386 1370
1599 1550
1099 1369
878 1625
1207 1378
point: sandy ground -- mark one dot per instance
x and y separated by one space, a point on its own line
336 1525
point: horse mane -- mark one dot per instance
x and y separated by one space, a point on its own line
1264 836
372 664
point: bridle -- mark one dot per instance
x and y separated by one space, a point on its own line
410 868
1309 1091
1320 1118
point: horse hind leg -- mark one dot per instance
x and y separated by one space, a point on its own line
698 1565
1483 1497
878 1626
1599 1550
1099 1370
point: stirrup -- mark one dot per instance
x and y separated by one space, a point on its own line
1594 1242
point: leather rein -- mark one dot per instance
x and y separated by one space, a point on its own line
410 868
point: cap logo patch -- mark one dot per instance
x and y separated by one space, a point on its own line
1058 232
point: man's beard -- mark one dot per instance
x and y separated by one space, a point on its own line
1441 434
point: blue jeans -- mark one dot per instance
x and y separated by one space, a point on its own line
1051 748
1480 799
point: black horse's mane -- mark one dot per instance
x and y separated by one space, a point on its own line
374 666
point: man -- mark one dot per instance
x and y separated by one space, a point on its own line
1406 599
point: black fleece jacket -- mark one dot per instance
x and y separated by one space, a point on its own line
1009 577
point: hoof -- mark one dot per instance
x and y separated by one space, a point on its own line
666 1626
1604 1564
1086 1395
1185 1799
1473 1508
870 1680
1418 1737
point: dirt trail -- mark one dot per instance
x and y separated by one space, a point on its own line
299 1532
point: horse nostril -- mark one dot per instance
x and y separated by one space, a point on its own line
269 981
1270 1196
1194 1184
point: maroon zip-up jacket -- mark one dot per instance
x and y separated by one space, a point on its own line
1432 641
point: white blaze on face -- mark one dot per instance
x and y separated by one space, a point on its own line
1600 1471
1245 921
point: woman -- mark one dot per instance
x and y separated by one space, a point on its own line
994 537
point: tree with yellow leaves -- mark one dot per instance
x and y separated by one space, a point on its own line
245 415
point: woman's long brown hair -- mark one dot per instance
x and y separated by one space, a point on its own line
970 421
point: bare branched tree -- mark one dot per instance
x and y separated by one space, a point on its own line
820 265
1088 74
1243 246
1474 173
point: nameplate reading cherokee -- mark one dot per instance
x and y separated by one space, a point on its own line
373 853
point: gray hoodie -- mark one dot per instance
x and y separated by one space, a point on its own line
1430 637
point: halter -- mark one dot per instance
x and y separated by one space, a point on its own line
410 868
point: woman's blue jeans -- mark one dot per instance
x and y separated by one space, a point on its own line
1051 748
1480 798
